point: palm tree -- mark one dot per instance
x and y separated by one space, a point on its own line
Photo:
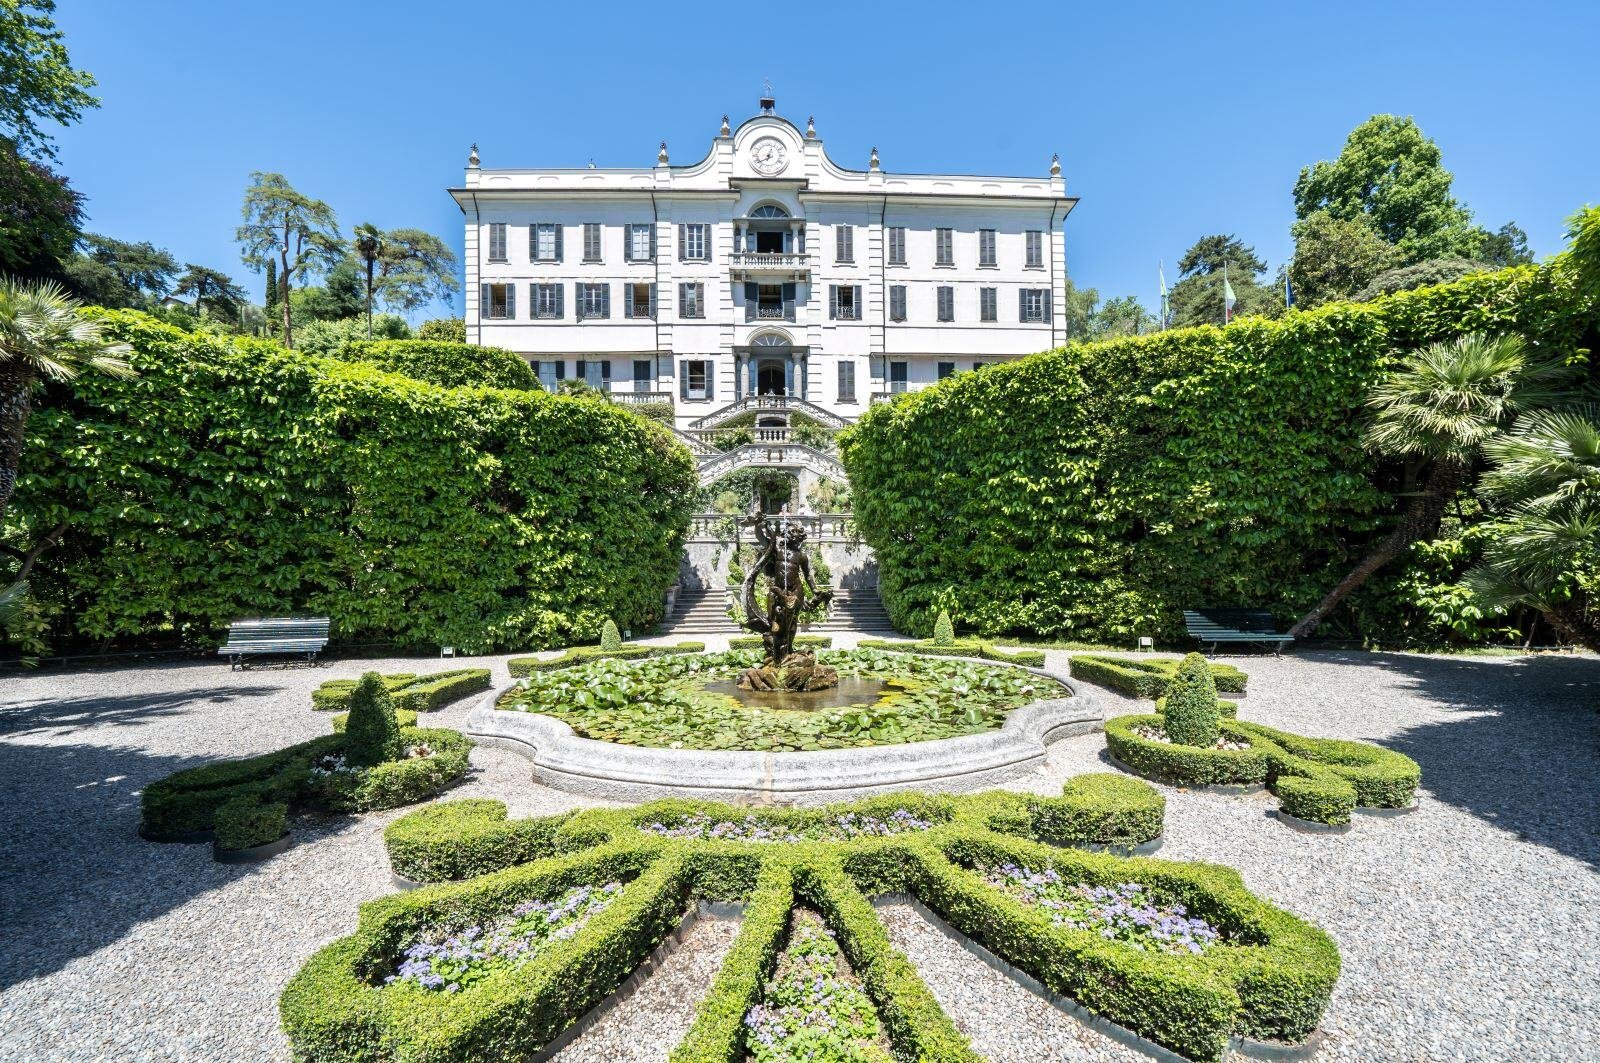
368 245
1435 412
1545 554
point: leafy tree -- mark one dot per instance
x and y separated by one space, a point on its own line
1190 715
337 298
116 273
37 80
445 329
1122 316
414 268
1334 258
1076 310
211 290
299 233
367 244
1420 275
1391 175
1435 412
1508 246
39 217
1544 550
1198 297
330 337
43 334
371 734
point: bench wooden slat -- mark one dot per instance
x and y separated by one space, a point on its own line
1217 626
276 634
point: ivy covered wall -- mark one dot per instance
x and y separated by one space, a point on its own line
1094 492
235 478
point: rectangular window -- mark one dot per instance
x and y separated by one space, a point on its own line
641 300
1035 238
591 241
947 303
696 238
1034 304
697 380
644 374
596 374
944 247
551 374
499 301
641 242
897 377
847 381
989 304
844 239
497 241
946 369
897 302
594 301
986 247
769 302
547 301
845 302
897 245
544 242
978 365
692 300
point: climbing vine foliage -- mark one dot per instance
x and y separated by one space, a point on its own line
1098 490
235 478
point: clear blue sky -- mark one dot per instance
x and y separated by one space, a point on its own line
1173 120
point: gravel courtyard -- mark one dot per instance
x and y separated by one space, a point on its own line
1469 929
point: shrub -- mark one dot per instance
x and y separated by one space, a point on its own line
801 642
944 633
1146 677
409 692
404 717
405 781
449 365
372 734
1102 488
464 839
610 638
443 330
1099 808
1189 712
522 667
187 801
959 648
401 510
244 822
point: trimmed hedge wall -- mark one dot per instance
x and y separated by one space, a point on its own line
1096 491
1271 981
1318 779
235 478
520 667
463 839
959 648
448 365
407 690
801 642
1146 677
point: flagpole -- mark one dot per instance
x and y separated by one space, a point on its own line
1226 316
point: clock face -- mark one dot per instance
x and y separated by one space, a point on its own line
769 156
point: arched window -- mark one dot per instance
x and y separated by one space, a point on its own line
769 210
770 339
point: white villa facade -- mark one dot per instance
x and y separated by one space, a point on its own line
764 269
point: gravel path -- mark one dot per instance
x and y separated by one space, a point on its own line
1469 929
648 1025
1007 1023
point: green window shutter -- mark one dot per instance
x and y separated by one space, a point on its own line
1022 304
788 302
533 242
605 300
1046 294
706 243
856 311
711 380
751 296
511 301
683 242
559 228
483 300
833 302
652 300
652 243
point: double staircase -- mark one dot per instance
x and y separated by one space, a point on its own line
705 612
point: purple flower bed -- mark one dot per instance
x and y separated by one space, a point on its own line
750 829
813 1007
1125 912
449 962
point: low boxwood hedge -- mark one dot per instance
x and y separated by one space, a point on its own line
403 717
394 783
1146 677
409 692
959 648
801 642
525 666
1269 979
1318 779
244 822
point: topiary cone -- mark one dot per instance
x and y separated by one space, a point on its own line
371 735
944 632
610 638
1190 715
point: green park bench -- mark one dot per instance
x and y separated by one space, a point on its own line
295 635
1250 626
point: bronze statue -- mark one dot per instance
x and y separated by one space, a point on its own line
781 557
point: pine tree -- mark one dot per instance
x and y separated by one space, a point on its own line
272 292
371 735
1189 715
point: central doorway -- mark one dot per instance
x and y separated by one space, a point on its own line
771 378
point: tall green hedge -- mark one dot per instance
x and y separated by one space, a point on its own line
450 365
1096 491
235 478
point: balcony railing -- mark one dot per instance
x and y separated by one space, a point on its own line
790 264
820 527
639 398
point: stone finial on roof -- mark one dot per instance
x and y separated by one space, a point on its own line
472 157
1055 165
811 128
725 130
661 156
872 161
